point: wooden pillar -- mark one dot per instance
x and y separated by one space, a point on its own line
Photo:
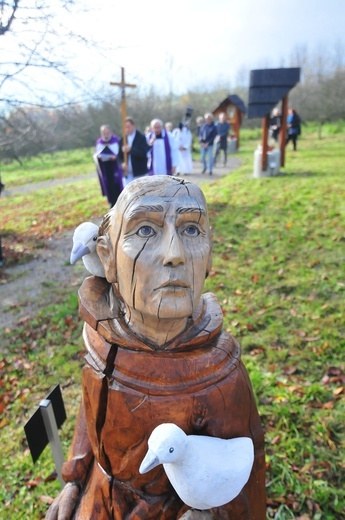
238 125
265 125
282 133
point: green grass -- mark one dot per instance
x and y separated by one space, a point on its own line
279 274
47 167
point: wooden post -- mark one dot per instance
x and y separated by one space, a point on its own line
123 86
282 134
265 125
238 124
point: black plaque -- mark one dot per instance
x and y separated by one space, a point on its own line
35 430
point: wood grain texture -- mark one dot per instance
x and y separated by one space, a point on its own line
131 383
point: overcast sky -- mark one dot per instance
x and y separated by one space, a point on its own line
191 42
184 44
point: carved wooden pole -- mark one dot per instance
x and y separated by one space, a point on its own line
238 124
123 86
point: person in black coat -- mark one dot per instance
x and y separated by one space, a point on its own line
136 149
275 124
207 136
294 127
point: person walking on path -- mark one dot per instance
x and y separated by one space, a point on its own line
294 127
105 157
136 149
275 124
208 135
163 150
183 138
223 129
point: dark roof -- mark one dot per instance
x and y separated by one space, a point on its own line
268 87
232 99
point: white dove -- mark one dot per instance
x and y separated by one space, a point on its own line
84 246
205 471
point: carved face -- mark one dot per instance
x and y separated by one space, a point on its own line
163 253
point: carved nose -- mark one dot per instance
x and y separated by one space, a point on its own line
174 253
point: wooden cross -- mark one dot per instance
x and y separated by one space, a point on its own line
123 86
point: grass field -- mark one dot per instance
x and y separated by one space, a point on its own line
279 274
46 167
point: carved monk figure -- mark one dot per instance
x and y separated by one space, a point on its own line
156 353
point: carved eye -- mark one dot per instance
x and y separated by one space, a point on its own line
171 450
191 231
94 238
146 232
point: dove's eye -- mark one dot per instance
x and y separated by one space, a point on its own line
171 450
94 239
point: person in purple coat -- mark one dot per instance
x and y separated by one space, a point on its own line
109 173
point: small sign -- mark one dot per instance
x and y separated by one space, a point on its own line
35 429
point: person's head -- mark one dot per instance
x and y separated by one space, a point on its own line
106 132
168 126
148 129
208 118
292 111
199 120
222 117
155 246
157 126
275 112
129 125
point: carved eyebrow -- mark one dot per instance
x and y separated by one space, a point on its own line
201 211
146 209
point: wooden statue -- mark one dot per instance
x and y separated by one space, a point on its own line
156 353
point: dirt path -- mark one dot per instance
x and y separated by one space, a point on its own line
44 280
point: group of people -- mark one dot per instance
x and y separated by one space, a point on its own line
293 122
161 150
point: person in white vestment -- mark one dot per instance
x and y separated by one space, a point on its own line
184 139
163 150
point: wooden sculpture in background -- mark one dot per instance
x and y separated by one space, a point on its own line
156 353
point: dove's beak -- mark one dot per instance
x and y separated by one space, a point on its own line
150 461
78 251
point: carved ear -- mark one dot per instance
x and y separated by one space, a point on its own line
106 255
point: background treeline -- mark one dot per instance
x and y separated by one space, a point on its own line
32 130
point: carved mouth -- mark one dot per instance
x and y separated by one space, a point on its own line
175 284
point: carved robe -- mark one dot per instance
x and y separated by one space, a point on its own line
197 381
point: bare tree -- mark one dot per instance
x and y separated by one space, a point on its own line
38 39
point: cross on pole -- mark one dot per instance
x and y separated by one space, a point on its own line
122 84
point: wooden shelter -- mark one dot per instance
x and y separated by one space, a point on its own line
235 109
267 88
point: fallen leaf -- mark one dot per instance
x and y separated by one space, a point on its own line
290 370
46 499
300 333
276 439
338 391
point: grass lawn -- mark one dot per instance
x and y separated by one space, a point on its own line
46 167
279 274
